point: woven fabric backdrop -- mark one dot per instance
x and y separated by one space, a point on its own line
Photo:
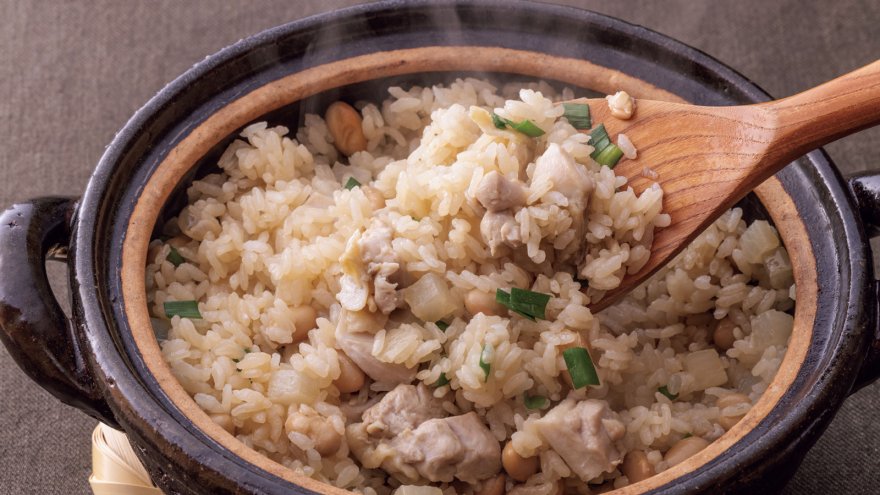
72 72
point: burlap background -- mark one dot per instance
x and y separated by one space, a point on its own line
71 72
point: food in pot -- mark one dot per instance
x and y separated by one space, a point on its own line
407 303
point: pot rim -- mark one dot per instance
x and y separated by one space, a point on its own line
92 299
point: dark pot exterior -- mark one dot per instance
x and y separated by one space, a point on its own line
90 361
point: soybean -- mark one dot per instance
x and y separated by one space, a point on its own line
518 467
477 301
351 378
683 449
636 466
346 127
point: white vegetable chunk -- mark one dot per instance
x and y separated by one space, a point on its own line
430 299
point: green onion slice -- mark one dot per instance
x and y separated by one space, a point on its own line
441 381
352 183
486 359
609 156
535 401
526 127
175 257
500 122
599 139
526 303
605 152
580 367
578 115
183 309
665 391
442 325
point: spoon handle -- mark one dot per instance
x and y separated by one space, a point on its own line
816 117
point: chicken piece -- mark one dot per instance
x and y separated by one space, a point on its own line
401 409
360 322
405 407
498 193
359 347
584 435
500 229
566 176
456 447
319 429
382 265
385 292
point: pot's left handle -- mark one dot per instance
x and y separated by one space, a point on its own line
34 328
866 189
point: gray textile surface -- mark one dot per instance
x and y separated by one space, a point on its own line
71 72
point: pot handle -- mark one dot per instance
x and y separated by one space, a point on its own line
866 190
33 327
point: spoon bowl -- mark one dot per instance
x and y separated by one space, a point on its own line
708 158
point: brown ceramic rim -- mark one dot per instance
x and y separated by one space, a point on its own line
409 61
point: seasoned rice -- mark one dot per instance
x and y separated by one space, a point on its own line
273 230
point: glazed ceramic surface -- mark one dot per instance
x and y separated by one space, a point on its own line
105 360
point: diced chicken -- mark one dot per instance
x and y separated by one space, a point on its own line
457 447
405 407
359 347
384 291
369 259
406 435
498 193
360 322
500 229
584 434
567 177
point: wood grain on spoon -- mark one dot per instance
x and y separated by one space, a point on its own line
708 158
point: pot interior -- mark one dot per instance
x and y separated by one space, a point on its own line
286 99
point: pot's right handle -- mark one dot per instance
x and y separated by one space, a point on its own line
866 189
35 330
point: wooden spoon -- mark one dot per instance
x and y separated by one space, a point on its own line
708 158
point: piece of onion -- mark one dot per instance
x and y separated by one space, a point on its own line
429 298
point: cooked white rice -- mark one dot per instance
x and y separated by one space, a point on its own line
273 230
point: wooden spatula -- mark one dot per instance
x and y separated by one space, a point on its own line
708 158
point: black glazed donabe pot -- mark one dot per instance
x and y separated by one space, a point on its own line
102 361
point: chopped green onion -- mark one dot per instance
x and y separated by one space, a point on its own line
502 297
535 401
352 183
441 381
578 115
599 139
686 435
533 303
183 309
665 391
500 122
609 156
526 127
442 325
486 358
604 151
580 367
175 257
526 303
